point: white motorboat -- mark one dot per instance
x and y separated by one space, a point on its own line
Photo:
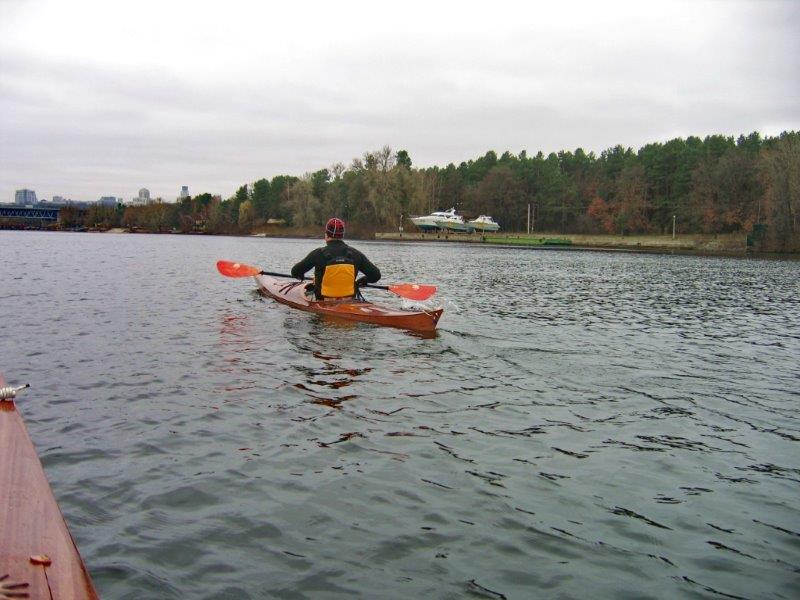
483 223
452 222
446 219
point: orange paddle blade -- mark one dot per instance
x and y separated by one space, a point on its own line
413 291
232 269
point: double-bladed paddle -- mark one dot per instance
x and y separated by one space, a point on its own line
412 291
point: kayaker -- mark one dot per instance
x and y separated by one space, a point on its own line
336 265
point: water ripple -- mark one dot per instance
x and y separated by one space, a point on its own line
584 424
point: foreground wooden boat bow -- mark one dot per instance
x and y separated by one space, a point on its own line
38 557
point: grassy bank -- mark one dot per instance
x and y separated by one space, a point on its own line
711 244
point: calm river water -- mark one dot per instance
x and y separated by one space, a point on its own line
585 424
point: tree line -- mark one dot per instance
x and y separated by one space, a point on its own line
718 184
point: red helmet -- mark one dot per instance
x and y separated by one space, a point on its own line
334 228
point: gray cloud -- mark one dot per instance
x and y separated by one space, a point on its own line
446 92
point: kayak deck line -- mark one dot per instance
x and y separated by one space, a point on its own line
294 294
9 393
38 557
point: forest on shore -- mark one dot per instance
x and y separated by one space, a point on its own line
719 184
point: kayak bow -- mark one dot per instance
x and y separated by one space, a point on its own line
292 293
38 557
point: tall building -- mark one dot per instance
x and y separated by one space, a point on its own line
143 198
25 197
184 191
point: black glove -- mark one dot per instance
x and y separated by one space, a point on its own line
361 281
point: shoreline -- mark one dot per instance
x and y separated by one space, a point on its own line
723 244
704 244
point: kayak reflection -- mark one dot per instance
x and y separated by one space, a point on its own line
330 349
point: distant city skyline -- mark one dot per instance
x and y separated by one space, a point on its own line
30 196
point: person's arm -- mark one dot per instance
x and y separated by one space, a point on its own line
370 271
308 263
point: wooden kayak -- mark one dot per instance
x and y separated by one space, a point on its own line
38 557
292 293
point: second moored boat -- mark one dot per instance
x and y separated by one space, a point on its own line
483 223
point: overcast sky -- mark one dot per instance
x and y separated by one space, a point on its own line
100 98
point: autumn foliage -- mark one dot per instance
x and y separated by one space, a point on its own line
713 185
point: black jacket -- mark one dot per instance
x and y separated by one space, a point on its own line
320 258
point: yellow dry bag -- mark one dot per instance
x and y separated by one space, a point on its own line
339 281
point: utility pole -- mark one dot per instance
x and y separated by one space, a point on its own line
673 227
529 218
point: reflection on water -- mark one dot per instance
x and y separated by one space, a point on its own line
583 424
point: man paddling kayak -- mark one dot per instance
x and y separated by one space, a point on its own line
336 265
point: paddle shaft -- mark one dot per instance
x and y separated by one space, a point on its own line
282 275
411 291
370 285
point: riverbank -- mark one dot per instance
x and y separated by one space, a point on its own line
699 243
734 244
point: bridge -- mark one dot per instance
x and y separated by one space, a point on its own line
12 211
